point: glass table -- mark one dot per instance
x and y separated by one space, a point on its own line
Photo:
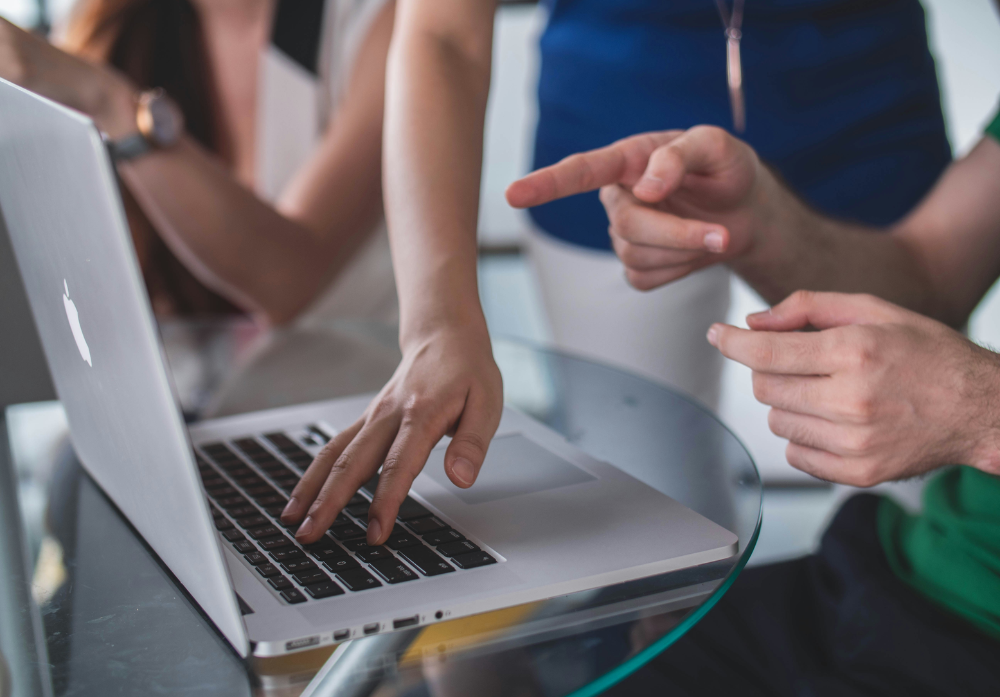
86 607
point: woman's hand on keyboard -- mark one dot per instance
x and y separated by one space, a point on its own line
446 384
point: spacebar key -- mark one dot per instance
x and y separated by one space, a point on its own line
425 561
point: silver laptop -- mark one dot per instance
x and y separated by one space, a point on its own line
543 519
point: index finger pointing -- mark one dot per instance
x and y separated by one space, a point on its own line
773 352
621 162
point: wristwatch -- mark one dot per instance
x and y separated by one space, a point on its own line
160 124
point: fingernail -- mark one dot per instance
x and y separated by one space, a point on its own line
713 335
755 315
650 182
306 528
713 241
374 531
290 508
463 471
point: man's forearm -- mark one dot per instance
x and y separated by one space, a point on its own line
797 248
435 109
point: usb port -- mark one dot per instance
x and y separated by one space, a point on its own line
372 628
341 634
405 622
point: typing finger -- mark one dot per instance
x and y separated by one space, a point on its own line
406 458
306 490
356 465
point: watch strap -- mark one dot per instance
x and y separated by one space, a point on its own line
129 147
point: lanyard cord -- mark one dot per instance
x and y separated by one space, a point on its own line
732 23
734 68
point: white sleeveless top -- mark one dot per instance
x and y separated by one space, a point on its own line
303 74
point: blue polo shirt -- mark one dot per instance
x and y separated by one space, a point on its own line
841 96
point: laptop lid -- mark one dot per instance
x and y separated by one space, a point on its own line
60 202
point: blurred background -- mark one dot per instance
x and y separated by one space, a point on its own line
965 40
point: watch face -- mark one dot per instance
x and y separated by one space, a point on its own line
160 120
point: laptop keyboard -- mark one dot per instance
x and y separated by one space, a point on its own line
248 486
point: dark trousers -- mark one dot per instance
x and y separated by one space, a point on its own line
838 622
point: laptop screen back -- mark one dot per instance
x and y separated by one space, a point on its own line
68 229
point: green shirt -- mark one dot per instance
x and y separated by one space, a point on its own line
951 551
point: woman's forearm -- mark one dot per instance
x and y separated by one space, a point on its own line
274 260
437 86
231 240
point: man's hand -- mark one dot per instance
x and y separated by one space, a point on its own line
446 384
878 394
677 200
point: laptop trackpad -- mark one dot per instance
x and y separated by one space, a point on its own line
514 466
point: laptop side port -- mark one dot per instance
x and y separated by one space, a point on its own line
372 628
405 622
341 634
301 643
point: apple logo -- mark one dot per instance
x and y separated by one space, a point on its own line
74 324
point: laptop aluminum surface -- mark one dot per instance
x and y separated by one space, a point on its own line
555 520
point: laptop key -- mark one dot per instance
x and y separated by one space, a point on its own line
359 510
233 535
257 492
229 502
263 531
273 543
243 511
272 499
255 558
279 583
329 554
453 549
357 500
426 561
297 566
327 589
357 579
252 521
440 537
369 554
217 492
222 524
422 526
244 546
347 532
267 570
292 596
341 564
307 577
393 570
398 542
286 555
411 510
356 545
471 560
